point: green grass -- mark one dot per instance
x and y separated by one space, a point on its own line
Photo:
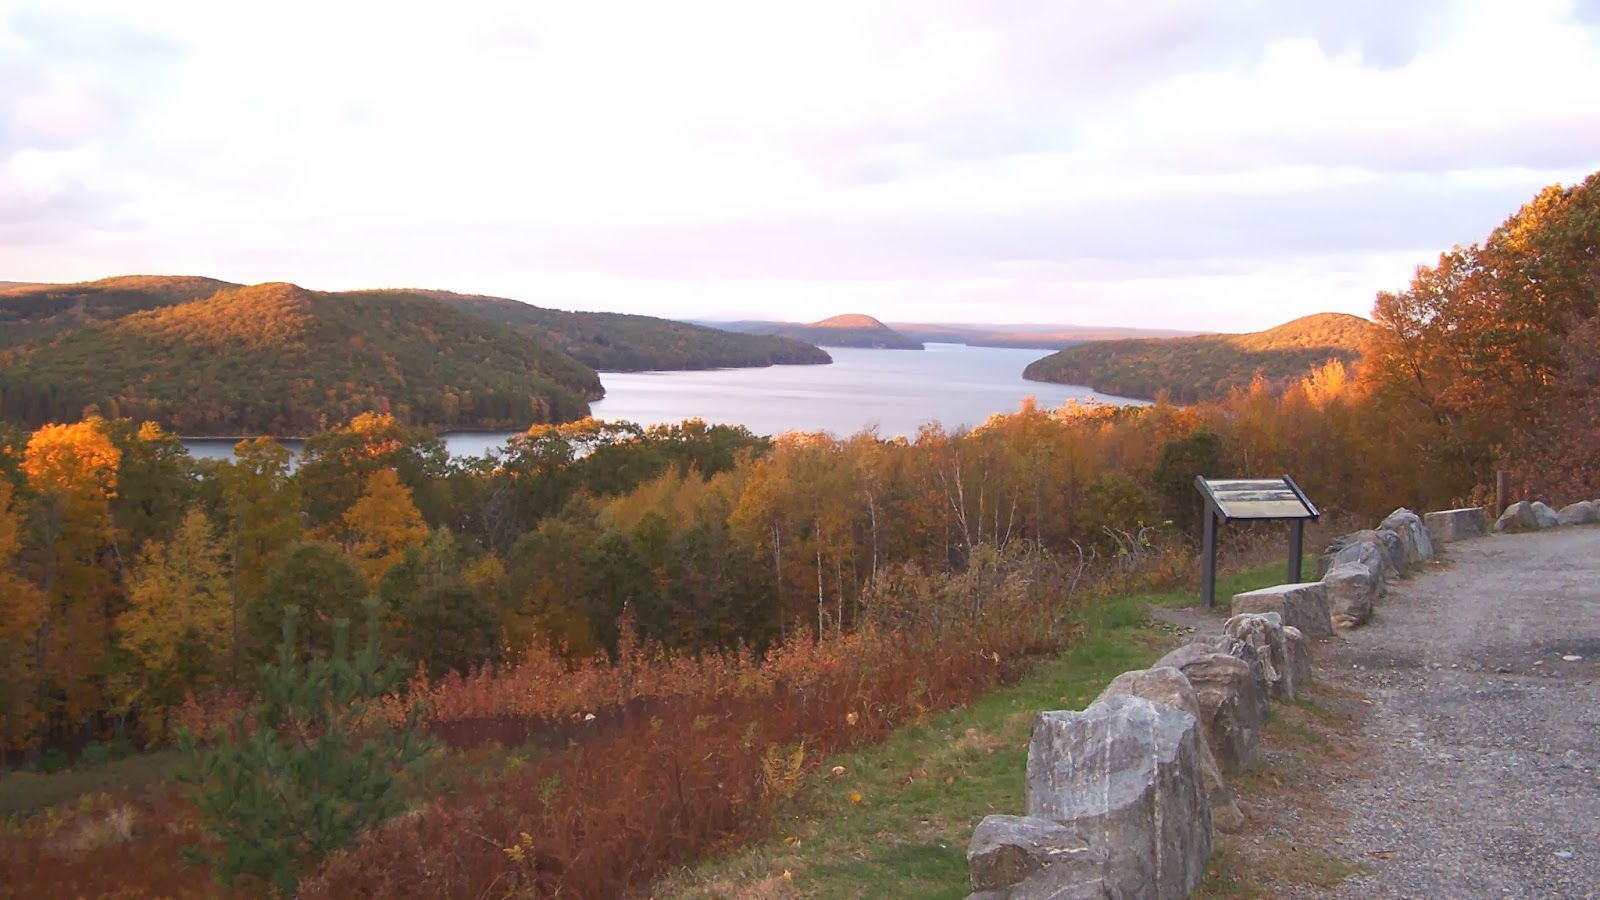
896 821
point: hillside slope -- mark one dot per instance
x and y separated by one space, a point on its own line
853 330
28 311
617 342
1205 367
279 359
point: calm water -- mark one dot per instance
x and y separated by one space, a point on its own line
895 390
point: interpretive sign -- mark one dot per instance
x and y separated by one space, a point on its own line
1251 499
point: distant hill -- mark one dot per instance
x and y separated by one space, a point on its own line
616 342
31 310
278 359
1026 337
852 330
1020 336
1205 367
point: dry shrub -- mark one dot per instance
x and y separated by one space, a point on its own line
702 769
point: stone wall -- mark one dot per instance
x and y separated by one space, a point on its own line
1123 797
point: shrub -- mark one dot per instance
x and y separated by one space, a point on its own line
312 773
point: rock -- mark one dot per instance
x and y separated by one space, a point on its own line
1126 772
1365 547
1264 633
1008 851
1232 707
1171 688
1544 515
1351 593
1246 654
1413 534
1297 652
1583 512
1395 548
1451 525
1305 606
1518 516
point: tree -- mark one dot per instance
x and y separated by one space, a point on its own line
313 771
262 504
335 466
178 625
317 580
443 607
156 481
72 471
22 611
382 525
1200 453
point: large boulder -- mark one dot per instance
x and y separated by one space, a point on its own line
1584 512
1222 643
1352 591
1544 515
1413 535
1366 547
1297 652
1170 687
1264 633
1305 606
1232 707
1395 547
1517 517
1018 857
1127 773
1451 525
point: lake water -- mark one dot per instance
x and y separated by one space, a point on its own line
897 391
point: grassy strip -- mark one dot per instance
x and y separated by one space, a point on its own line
894 819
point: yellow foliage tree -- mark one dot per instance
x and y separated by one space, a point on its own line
22 611
178 625
73 472
381 525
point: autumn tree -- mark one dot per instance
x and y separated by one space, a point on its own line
335 466
178 625
156 482
72 471
380 526
22 611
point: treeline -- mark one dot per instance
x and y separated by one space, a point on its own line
617 342
138 575
1206 367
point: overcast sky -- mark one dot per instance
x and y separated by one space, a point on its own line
1214 164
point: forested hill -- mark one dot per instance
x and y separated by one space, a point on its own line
616 342
848 331
278 359
30 310
1206 367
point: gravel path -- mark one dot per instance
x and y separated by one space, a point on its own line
1485 681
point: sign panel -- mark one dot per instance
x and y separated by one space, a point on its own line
1258 498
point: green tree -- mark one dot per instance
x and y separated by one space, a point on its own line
440 612
262 505
1199 453
314 578
313 772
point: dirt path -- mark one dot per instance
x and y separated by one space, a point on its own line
1485 780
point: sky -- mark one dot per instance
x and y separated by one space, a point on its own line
1199 164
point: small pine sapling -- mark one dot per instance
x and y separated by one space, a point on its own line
308 770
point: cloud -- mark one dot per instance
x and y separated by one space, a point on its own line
1026 154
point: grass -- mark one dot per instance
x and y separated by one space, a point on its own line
894 819
25 793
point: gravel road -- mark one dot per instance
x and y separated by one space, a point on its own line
1484 675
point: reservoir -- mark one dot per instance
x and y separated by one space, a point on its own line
896 391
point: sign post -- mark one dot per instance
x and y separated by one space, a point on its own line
1251 499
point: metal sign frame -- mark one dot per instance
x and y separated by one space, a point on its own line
1252 500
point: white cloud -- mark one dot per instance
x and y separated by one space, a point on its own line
1172 162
